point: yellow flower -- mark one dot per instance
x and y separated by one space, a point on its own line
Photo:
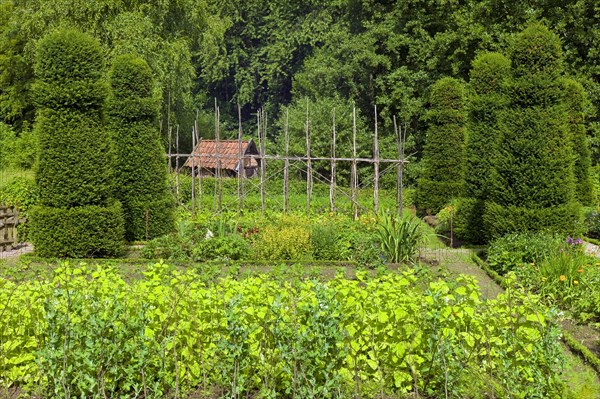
563 277
575 282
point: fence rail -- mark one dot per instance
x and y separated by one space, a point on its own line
9 220
288 160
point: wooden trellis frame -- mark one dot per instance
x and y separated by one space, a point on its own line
288 160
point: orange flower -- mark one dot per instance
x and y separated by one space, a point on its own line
563 277
580 271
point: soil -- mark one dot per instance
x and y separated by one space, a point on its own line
16 251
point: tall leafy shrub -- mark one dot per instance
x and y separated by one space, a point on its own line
442 176
76 216
140 168
534 187
575 99
487 98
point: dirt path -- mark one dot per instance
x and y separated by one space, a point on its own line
458 261
16 251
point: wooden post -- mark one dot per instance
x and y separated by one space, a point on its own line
399 167
169 167
199 145
241 163
308 164
354 177
332 180
262 160
263 164
218 188
376 167
193 173
286 166
177 161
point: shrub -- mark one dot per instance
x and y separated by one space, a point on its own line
499 220
324 241
575 99
442 173
140 168
231 247
77 232
288 240
512 250
399 238
533 163
76 216
465 216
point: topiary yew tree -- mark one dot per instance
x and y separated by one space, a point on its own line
534 179
575 99
76 216
140 170
487 99
442 175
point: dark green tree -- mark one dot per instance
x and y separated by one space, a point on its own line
575 100
77 215
442 174
487 98
535 183
140 167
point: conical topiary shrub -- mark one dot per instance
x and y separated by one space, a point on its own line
140 168
76 216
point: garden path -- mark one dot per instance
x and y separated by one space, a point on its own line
16 251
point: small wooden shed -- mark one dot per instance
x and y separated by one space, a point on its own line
209 153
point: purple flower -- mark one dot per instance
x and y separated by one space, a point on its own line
570 240
579 241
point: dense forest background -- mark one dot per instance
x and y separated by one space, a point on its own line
279 53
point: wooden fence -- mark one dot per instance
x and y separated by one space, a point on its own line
395 165
9 220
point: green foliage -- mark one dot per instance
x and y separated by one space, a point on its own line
507 253
534 160
499 220
442 174
487 98
87 333
575 99
17 151
76 216
20 192
77 232
557 269
399 237
229 247
140 170
290 240
463 216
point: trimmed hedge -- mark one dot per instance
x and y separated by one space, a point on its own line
575 99
160 218
141 181
500 220
76 214
442 176
78 232
533 162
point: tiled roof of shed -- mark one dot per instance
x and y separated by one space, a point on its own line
207 152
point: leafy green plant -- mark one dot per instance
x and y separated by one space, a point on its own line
507 253
399 238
